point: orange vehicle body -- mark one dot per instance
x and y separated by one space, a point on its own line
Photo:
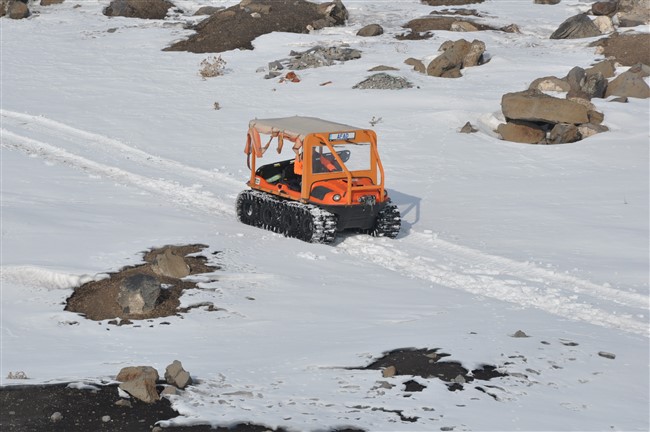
349 185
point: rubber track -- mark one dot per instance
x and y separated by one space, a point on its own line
388 223
306 222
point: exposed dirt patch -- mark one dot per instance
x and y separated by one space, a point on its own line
30 408
98 300
425 24
628 49
237 26
426 363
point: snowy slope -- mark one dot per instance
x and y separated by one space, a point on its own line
111 146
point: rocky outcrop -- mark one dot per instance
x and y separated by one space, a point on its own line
144 9
456 56
237 26
533 105
627 49
576 27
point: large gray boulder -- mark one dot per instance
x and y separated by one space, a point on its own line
138 294
533 105
576 27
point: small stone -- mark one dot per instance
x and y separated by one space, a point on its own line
622 99
459 380
124 403
390 371
468 128
56 417
607 355
520 334
106 419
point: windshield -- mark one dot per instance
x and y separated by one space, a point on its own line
356 157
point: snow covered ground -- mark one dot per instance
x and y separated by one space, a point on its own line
111 146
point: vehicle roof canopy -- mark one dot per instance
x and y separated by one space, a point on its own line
298 127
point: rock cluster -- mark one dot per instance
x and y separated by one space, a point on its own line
317 56
535 117
456 55
609 14
141 382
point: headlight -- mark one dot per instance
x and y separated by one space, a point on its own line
336 197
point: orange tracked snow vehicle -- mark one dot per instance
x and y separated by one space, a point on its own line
334 182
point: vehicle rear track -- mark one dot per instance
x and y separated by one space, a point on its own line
289 218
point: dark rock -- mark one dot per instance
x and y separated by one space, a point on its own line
576 27
138 294
50 2
622 99
371 30
594 85
564 133
547 2
575 78
520 334
604 8
382 68
607 355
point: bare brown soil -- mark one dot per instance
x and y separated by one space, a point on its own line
236 27
628 48
98 300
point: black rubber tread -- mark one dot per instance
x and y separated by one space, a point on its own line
289 218
388 222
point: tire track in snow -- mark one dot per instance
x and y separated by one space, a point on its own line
467 269
519 283
125 151
184 196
